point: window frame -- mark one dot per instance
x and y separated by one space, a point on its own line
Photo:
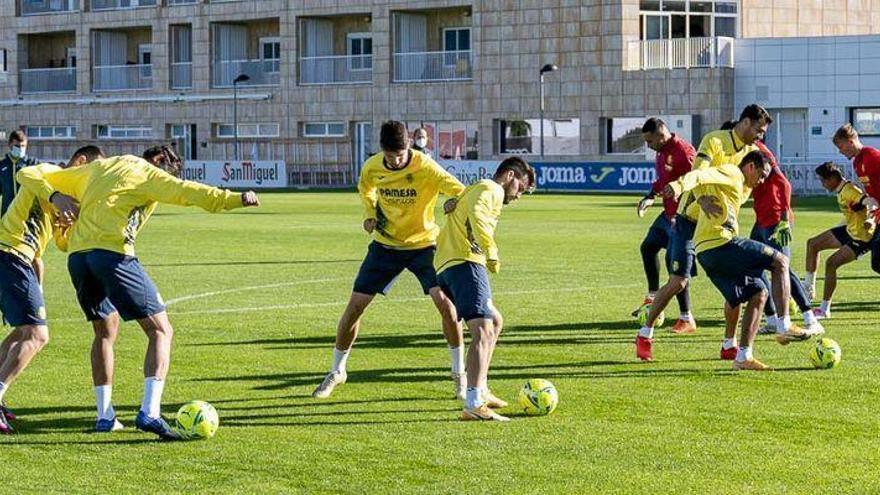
362 57
326 126
873 109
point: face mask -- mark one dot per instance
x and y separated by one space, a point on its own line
17 152
421 142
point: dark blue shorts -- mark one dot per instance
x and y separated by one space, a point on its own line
737 268
467 285
681 248
762 235
843 237
383 265
21 298
107 282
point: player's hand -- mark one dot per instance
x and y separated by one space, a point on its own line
449 205
644 204
494 266
710 206
669 192
781 234
857 206
370 225
250 199
68 208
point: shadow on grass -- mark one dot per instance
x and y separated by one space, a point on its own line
247 263
855 306
128 441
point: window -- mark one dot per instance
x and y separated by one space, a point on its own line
51 132
450 140
323 129
123 132
249 130
3 67
270 54
183 137
71 57
665 19
523 137
455 40
624 136
145 60
866 121
360 51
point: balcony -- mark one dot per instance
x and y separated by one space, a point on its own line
122 77
261 72
433 66
338 69
36 81
98 5
680 53
37 7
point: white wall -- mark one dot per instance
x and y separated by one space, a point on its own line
825 75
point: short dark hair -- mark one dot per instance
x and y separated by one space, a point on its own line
727 126
393 136
755 112
653 125
520 168
828 170
17 135
169 161
757 158
90 152
845 133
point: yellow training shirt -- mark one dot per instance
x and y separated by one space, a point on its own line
847 195
717 148
27 226
402 201
727 184
469 232
117 195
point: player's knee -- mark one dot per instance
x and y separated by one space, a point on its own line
38 335
780 262
811 243
760 297
678 283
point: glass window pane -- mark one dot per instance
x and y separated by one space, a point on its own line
725 7
336 129
464 39
650 5
678 26
725 26
367 46
867 121
701 6
701 26
625 136
670 6
449 41
314 129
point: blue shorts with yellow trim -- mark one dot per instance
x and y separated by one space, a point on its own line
383 265
467 285
21 298
682 252
737 268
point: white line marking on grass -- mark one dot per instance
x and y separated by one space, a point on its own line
252 287
404 300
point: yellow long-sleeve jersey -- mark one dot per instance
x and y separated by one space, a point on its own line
847 195
716 148
28 224
469 231
117 195
726 183
402 200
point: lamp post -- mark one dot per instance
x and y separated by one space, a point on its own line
240 78
546 68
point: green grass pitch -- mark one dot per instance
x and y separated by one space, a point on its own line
255 296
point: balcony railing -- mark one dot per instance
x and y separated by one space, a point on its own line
181 2
680 53
122 77
121 4
181 75
336 69
433 66
58 80
36 7
261 72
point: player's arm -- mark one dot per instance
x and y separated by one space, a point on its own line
39 269
449 184
709 151
163 187
696 178
46 179
61 236
369 198
483 218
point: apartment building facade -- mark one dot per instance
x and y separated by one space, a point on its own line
309 82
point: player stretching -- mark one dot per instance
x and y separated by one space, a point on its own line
675 158
734 264
851 240
399 188
866 165
772 205
117 196
466 249
25 231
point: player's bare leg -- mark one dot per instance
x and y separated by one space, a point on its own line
728 345
498 322
483 339
346 333
750 321
106 331
452 330
840 257
156 362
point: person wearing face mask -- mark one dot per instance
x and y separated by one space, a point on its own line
14 161
420 141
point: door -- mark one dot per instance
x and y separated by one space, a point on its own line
363 145
184 138
787 136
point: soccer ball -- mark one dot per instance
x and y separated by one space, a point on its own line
643 316
538 397
197 419
825 354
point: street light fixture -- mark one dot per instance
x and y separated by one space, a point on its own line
241 78
546 68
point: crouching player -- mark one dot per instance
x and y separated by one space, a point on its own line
466 250
734 264
851 240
